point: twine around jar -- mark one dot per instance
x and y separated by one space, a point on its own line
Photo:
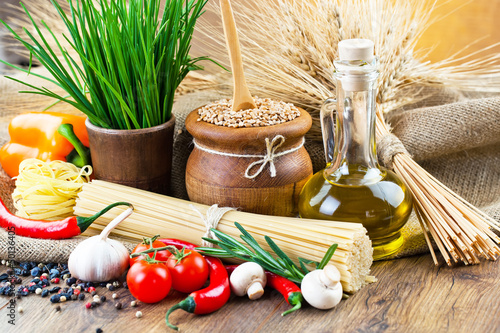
268 158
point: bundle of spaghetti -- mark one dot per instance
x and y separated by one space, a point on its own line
176 218
47 190
461 232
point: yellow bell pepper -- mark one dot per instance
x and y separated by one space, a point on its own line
44 135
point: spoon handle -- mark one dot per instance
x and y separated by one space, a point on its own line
242 99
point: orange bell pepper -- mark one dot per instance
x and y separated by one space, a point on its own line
35 135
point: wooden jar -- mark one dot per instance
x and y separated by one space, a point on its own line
215 171
140 158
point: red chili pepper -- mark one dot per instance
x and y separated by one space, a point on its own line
67 228
285 287
206 300
179 244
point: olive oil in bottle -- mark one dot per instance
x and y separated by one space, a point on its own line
353 187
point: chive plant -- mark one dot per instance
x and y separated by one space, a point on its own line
132 57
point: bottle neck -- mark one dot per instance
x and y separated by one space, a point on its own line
355 158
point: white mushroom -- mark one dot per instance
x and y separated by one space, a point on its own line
248 278
322 288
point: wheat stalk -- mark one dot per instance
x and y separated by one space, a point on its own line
288 51
289 46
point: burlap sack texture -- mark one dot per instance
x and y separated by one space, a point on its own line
458 142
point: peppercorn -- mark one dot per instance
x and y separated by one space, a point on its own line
63 299
20 309
91 289
103 298
58 308
74 297
133 304
138 314
118 306
38 291
36 271
54 290
55 298
66 276
93 304
98 330
93 293
10 271
116 284
45 293
114 296
76 291
70 281
81 297
55 280
88 305
111 288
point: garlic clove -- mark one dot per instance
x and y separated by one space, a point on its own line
99 258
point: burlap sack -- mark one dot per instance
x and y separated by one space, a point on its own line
458 142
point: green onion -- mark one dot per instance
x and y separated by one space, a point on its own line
124 59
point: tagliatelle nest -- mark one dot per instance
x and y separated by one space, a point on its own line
288 48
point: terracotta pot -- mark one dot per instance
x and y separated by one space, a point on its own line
141 158
213 177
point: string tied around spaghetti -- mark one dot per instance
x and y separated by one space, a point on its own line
211 220
271 147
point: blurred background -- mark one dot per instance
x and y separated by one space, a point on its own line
459 23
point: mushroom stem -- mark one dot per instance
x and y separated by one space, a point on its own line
255 291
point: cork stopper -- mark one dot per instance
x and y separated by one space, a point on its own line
356 49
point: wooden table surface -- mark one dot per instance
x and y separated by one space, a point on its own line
411 295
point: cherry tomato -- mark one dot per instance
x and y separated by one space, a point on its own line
149 282
146 245
189 270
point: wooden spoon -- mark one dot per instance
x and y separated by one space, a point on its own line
242 99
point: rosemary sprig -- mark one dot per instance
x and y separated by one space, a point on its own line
281 265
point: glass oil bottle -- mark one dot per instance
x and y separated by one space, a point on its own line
353 187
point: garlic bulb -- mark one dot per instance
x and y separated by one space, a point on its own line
99 258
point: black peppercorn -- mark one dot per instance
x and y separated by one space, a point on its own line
118 305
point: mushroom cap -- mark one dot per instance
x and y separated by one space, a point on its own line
246 275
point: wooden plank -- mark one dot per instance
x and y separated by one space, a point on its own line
412 295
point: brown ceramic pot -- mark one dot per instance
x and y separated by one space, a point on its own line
141 158
216 178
